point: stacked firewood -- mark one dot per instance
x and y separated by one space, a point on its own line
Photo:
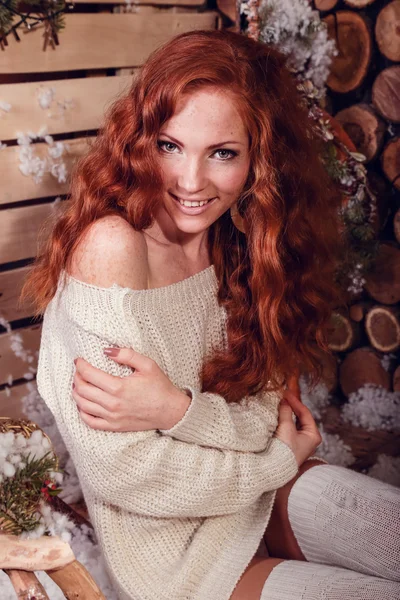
364 97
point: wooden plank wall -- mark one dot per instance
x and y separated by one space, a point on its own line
99 52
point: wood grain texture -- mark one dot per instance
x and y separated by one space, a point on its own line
21 229
11 402
145 3
16 187
76 104
99 41
11 283
13 365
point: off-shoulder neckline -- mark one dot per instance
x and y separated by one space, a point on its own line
208 272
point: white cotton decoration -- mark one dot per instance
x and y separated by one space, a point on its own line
20 441
28 376
10 379
333 449
7 391
35 166
357 280
56 149
59 172
42 131
45 96
35 437
39 413
386 361
297 31
58 477
373 408
7 439
2 145
8 469
387 469
317 400
4 323
6 106
15 458
3 453
45 443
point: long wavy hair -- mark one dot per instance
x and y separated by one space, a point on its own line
277 283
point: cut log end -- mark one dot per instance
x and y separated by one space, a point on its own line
360 367
353 40
364 127
387 31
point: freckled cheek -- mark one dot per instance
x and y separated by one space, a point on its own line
231 183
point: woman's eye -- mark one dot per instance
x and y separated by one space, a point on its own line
166 146
162 144
231 154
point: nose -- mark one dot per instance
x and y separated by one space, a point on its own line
191 177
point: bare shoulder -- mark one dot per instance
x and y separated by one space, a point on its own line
111 251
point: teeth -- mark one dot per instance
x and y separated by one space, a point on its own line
186 203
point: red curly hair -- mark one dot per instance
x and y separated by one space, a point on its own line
278 282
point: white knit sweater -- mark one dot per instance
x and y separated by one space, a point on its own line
179 513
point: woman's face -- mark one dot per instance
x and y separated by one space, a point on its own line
204 155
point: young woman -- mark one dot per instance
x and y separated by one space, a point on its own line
189 278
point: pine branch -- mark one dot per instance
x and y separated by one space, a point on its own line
20 494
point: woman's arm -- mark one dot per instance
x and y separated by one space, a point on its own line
140 471
245 426
145 472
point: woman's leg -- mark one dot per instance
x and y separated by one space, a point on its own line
251 583
279 537
299 580
277 579
347 519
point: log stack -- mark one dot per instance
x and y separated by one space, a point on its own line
364 98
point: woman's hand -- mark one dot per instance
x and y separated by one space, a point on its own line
146 399
304 440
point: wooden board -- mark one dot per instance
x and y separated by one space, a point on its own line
11 405
179 3
74 104
10 363
11 283
15 186
99 41
20 228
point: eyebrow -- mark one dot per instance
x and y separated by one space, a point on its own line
209 147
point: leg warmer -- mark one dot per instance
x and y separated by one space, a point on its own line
300 580
344 518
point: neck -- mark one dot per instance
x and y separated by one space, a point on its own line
192 246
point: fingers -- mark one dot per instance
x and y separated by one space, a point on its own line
106 382
131 358
91 408
96 422
90 392
303 413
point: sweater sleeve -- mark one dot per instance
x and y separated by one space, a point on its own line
143 471
245 426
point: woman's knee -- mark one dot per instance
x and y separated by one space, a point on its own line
253 579
279 537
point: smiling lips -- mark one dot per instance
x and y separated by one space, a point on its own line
190 203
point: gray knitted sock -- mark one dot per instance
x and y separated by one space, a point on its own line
344 518
300 580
